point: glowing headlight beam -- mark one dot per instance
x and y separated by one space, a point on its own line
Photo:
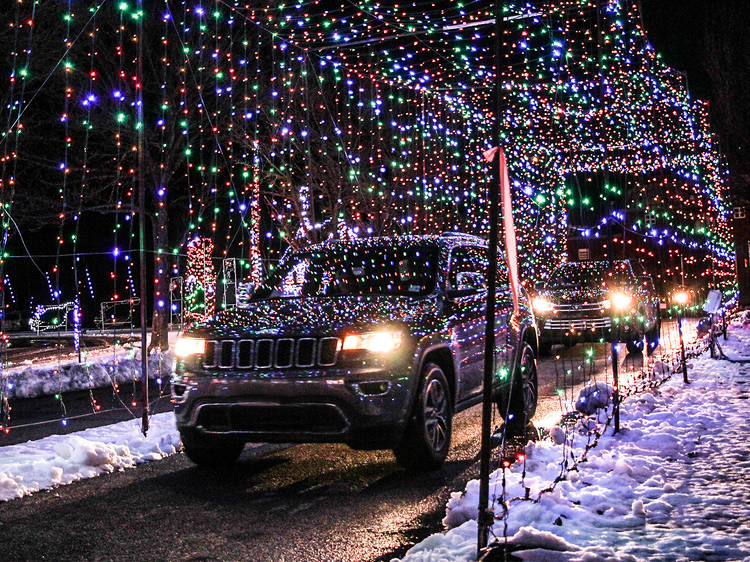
542 305
681 298
374 342
620 300
185 347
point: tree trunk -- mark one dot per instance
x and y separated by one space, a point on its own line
160 318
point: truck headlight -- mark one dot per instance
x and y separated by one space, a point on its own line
185 347
621 301
542 305
383 341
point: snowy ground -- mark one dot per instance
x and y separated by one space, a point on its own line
671 485
104 370
100 368
62 459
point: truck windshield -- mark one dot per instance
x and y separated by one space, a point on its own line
589 274
355 269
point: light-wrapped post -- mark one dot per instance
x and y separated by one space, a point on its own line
485 514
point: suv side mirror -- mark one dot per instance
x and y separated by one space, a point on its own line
468 283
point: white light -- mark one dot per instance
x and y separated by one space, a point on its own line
621 301
185 347
681 298
375 342
542 305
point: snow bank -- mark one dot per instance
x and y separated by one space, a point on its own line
671 485
62 459
103 370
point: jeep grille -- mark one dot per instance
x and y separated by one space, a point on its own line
269 353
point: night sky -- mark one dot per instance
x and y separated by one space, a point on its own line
675 28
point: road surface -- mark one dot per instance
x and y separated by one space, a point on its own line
306 502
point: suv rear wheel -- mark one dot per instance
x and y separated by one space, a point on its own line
518 408
428 436
210 451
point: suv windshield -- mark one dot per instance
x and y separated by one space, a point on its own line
589 274
356 269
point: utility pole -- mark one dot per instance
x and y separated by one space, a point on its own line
142 222
486 515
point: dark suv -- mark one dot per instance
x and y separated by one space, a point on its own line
598 301
374 342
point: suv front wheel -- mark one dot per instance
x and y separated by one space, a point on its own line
428 436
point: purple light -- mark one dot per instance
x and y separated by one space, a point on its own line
199 10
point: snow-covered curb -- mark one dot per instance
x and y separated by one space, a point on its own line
103 370
62 459
671 485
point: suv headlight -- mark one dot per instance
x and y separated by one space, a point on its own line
185 347
382 341
542 305
620 301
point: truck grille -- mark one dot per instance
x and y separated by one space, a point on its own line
577 323
582 308
268 353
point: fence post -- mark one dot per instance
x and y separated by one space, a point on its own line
682 348
616 389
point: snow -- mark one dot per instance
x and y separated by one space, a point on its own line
671 485
98 370
61 459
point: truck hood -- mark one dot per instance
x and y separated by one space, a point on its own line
321 315
575 295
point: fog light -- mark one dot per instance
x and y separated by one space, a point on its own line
373 388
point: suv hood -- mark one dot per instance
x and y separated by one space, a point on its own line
321 315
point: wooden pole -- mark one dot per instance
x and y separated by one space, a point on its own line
142 224
485 513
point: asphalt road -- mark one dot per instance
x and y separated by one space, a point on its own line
307 502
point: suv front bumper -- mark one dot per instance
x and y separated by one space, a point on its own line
366 407
590 329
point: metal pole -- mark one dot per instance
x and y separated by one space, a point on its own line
616 381
485 513
682 348
142 223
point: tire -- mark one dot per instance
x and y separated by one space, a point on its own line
520 406
210 451
427 438
545 349
635 346
653 336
